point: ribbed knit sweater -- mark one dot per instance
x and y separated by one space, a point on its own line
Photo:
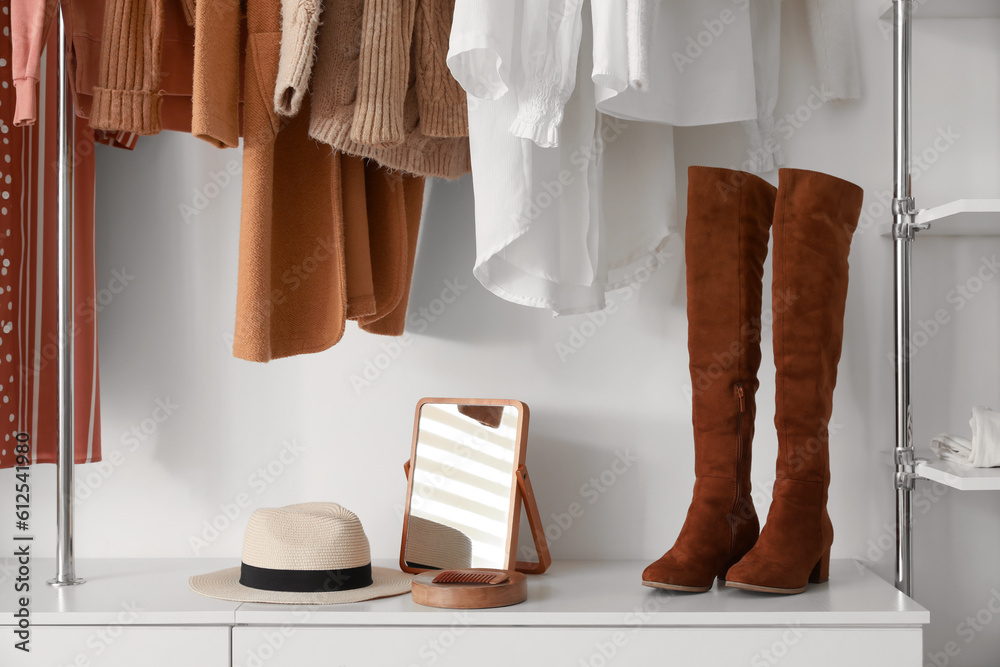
382 89
127 95
143 82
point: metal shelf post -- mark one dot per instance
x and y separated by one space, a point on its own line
903 214
65 566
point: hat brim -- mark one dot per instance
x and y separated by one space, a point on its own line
225 585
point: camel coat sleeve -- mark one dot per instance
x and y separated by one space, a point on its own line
215 93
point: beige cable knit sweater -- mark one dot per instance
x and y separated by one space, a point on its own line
382 89
299 23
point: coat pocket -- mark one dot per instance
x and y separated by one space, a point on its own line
263 54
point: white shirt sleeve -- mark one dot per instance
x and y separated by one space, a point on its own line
550 46
622 29
831 23
765 30
639 26
479 47
611 51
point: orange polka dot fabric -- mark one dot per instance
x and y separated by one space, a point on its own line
28 273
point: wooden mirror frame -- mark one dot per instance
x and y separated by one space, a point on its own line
521 491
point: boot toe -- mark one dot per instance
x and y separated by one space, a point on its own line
758 574
670 574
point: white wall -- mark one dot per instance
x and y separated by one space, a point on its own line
166 337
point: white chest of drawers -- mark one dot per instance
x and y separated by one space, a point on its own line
581 613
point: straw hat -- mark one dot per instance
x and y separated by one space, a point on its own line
310 553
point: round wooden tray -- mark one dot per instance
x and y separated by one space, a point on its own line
469 596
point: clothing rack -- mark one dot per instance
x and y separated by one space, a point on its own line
904 226
65 566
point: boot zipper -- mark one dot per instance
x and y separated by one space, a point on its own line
738 389
736 514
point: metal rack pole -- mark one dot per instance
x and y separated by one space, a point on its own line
903 212
65 567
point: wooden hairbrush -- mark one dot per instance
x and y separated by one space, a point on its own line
470 588
471 576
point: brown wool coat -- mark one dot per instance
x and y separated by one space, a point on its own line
357 245
291 294
314 250
394 207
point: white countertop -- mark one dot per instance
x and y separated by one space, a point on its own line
150 591
571 593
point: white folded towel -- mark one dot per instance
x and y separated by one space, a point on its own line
984 449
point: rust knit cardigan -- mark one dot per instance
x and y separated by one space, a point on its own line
144 78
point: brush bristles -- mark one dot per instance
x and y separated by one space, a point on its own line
471 577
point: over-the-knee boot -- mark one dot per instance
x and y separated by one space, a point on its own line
814 219
728 223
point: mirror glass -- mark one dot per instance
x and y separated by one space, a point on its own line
463 493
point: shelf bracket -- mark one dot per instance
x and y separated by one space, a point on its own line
902 230
904 206
906 481
906 477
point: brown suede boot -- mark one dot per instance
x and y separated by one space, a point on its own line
728 223
814 220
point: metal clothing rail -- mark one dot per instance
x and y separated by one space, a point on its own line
903 229
65 567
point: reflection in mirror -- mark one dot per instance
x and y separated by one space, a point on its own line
463 486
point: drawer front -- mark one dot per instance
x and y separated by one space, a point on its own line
120 646
461 646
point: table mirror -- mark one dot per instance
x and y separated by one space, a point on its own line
466 482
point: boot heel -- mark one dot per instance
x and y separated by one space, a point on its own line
821 572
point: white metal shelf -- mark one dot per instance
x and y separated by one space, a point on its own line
962 217
947 9
931 468
970 217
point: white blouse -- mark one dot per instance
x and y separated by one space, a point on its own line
716 61
696 62
831 25
571 114
569 203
